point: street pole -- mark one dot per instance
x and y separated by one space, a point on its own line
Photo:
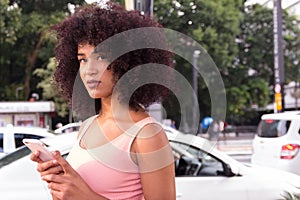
195 87
278 58
145 6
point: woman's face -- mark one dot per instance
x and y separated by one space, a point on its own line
97 79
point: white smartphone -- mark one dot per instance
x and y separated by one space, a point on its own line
35 144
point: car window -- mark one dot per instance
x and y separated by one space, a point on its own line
273 128
191 161
1 142
18 154
20 136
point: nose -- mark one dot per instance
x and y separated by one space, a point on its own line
91 67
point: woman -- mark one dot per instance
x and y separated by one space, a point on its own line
121 152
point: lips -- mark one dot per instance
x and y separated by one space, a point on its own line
92 84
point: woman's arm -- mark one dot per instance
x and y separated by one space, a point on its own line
156 163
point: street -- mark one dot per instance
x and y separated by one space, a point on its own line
238 147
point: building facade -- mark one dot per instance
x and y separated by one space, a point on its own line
37 113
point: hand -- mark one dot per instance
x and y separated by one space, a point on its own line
68 184
48 167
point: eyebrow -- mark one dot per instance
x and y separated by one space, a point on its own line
80 54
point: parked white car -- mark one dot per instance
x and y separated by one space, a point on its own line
202 172
11 137
277 141
71 127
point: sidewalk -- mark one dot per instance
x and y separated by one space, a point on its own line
231 136
232 144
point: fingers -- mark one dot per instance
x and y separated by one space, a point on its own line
35 157
53 179
55 169
44 166
56 188
56 193
62 162
48 167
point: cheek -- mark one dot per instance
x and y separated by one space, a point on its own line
108 76
81 73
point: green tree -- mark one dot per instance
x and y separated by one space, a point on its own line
213 24
50 90
256 50
33 45
9 22
257 46
247 83
9 25
256 41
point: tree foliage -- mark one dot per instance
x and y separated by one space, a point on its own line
257 42
28 23
256 53
214 25
239 39
50 90
10 24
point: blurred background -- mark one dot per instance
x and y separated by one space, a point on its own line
237 34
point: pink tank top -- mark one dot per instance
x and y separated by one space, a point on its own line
109 169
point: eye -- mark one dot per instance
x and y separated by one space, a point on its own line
101 58
82 60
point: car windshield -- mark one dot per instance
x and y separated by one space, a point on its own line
273 128
19 153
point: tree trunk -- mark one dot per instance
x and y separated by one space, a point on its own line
31 60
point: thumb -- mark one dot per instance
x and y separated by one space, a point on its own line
66 167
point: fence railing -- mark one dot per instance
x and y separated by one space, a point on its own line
240 129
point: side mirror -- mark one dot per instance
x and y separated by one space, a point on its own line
227 170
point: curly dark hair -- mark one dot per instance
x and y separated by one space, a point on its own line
92 25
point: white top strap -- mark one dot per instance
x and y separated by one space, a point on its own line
86 124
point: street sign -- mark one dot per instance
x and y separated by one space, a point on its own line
278 102
277 88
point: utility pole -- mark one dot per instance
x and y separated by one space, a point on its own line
145 6
278 58
195 87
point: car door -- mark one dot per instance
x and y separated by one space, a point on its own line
210 188
200 175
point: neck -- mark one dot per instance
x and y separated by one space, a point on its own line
106 107
113 109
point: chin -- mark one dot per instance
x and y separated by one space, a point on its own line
96 95
93 95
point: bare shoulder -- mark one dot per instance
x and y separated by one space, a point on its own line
153 152
151 137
